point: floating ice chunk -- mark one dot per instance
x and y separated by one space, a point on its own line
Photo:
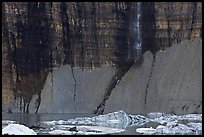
87 130
197 127
50 122
166 118
61 132
92 130
170 129
61 122
146 130
155 114
137 120
171 123
118 119
16 129
113 121
65 126
6 122
191 117
160 127
173 128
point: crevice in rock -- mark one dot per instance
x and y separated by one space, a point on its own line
75 83
150 77
27 108
199 105
193 18
121 71
38 101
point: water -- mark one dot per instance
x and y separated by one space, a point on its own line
37 119
138 42
34 119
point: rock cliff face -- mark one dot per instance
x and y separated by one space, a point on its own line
172 82
79 91
40 37
172 22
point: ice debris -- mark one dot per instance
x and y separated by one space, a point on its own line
166 118
173 128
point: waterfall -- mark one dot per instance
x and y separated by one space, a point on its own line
138 40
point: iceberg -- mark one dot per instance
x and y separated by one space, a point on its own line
17 129
119 119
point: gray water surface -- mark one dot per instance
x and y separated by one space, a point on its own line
37 119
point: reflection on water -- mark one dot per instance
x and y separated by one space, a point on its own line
35 119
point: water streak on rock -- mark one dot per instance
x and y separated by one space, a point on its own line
138 43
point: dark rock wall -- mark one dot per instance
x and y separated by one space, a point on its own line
38 37
176 21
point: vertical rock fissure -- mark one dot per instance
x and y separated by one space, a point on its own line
38 101
192 19
75 83
179 91
150 77
27 107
